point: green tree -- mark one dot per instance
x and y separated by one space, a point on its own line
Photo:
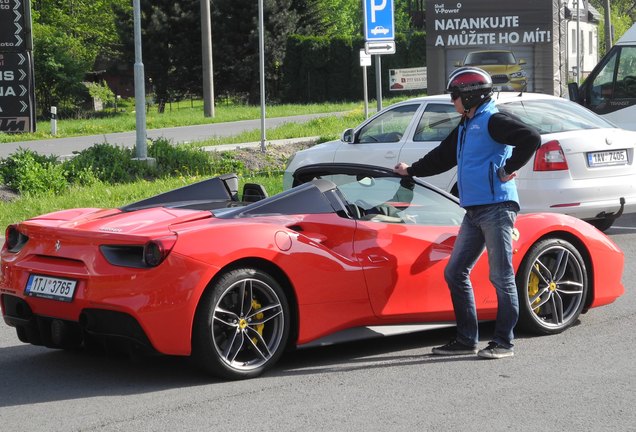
171 47
622 16
235 40
68 37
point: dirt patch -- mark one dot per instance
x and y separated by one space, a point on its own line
7 194
274 158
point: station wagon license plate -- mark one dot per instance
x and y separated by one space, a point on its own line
50 288
605 158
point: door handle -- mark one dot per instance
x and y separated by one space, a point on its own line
377 259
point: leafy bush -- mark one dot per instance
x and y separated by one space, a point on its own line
28 172
178 160
101 91
109 163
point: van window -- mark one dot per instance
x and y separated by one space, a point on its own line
626 77
602 88
616 80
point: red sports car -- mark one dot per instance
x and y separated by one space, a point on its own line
352 251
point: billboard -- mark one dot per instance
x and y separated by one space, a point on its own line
407 79
519 44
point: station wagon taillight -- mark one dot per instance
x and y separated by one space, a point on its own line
550 157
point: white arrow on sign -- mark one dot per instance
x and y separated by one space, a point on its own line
18 28
22 74
24 106
18 15
380 47
17 4
24 90
22 59
19 42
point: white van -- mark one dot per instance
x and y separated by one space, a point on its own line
610 90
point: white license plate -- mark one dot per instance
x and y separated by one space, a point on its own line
604 158
50 288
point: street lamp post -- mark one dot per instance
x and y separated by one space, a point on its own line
140 90
261 49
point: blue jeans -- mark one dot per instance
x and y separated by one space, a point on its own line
488 226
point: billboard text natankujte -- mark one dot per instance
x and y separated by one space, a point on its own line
519 44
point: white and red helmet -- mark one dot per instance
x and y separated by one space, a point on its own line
472 84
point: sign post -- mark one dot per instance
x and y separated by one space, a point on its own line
379 35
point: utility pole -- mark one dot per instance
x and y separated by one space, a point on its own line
608 26
206 45
140 87
261 50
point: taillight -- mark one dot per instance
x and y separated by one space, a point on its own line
147 255
550 157
155 251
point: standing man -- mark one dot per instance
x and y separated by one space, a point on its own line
487 147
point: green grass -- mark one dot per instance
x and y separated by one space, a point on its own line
327 128
181 114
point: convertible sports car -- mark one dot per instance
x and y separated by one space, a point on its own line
351 251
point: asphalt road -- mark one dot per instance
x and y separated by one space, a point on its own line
66 146
581 380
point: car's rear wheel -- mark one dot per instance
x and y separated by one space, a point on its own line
552 284
242 324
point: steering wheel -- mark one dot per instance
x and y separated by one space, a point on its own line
393 137
368 138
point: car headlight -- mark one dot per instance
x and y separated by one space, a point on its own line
520 74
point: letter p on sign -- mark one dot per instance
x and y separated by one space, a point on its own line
376 7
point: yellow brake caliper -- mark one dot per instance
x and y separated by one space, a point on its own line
259 316
533 288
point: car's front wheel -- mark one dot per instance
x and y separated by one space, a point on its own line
242 324
552 284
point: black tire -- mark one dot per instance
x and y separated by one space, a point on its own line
553 285
602 224
242 325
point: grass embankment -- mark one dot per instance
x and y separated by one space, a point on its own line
180 114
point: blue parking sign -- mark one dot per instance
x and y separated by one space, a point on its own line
378 20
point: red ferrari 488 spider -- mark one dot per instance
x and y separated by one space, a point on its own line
351 251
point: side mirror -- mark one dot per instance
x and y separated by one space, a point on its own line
347 136
573 91
522 62
457 64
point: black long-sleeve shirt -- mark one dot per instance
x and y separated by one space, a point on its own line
503 128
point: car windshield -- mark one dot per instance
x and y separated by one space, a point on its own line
551 116
396 200
489 58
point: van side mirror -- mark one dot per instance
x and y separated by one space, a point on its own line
347 136
573 91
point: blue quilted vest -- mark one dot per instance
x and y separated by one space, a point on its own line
478 159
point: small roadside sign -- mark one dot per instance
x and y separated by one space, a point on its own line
365 58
